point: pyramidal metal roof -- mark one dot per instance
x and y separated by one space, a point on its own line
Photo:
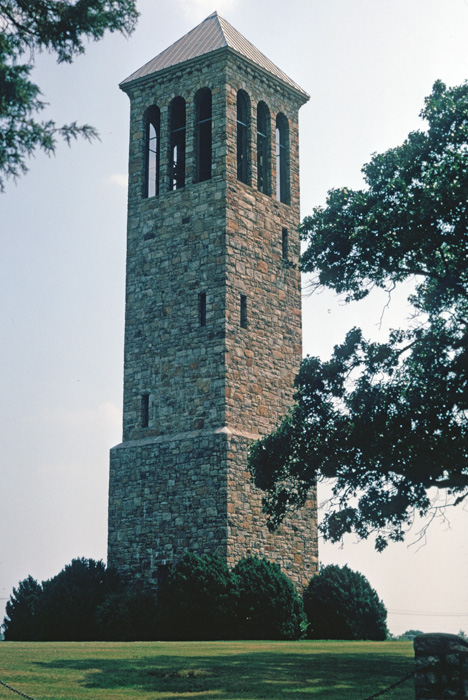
212 34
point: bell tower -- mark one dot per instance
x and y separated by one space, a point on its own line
213 306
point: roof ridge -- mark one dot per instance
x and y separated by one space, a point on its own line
213 33
165 57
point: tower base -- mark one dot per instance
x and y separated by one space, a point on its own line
191 492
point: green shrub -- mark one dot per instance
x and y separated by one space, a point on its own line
71 598
198 599
341 604
268 605
127 615
22 620
63 608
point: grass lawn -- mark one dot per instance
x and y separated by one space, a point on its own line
224 670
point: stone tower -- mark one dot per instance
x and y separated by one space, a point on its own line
213 306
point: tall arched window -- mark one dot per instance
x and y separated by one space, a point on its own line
203 134
178 127
263 148
243 137
152 124
282 159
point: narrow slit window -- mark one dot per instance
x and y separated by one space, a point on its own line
243 137
144 410
243 311
263 148
282 159
285 244
203 137
162 574
178 129
202 308
152 152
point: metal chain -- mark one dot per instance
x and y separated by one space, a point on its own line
392 686
13 690
370 697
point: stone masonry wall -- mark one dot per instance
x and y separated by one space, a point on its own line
169 495
294 546
181 482
264 358
175 250
193 493
441 662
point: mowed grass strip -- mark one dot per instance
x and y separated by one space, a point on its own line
225 670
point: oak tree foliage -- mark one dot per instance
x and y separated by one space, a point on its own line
59 27
387 422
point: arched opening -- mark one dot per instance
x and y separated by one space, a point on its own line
152 129
178 129
263 148
282 159
203 134
243 137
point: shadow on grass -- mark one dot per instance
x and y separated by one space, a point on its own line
251 675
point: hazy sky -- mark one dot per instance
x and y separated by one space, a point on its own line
367 64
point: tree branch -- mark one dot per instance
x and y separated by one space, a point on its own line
17 24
